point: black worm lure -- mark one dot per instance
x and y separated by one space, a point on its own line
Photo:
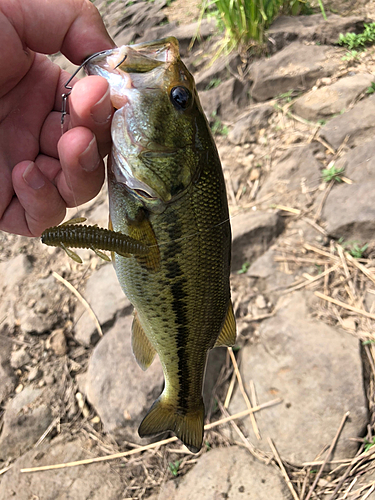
69 234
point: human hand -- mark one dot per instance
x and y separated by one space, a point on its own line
42 173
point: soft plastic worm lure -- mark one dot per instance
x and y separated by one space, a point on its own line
69 234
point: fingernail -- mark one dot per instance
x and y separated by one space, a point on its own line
101 112
90 159
33 176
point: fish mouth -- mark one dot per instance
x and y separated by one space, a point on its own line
123 66
132 72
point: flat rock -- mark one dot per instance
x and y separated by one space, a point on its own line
95 482
348 212
7 378
296 172
245 128
301 360
219 70
14 271
106 298
116 386
26 418
267 274
252 234
332 99
225 100
314 28
228 473
357 123
296 67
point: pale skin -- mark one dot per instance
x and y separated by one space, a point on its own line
41 172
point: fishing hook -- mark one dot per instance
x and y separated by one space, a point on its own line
69 88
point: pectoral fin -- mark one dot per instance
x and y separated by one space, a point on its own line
141 230
227 336
143 351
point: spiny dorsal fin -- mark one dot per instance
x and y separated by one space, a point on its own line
227 336
143 351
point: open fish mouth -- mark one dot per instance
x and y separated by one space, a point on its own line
153 94
125 67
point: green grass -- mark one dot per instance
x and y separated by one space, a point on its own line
354 248
371 88
246 21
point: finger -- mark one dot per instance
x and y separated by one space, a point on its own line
50 134
72 26
82 172
38 204
91 107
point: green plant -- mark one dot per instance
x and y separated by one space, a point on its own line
369 444
174 466
215 82
332 174
351 55
368 342
245 21
357 251
218 127
354 248
244 268
358 41
371 88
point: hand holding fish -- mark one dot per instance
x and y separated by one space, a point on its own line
37 165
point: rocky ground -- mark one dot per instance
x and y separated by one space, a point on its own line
303 285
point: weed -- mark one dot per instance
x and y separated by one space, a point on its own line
174 466
244 268
371 88
351 55
354 41
354 248
368 342
332 174
218 128
215 82
369 444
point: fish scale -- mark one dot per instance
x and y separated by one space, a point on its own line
166 189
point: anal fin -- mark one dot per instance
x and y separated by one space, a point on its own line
143 351
227 336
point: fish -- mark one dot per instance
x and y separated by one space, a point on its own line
167 191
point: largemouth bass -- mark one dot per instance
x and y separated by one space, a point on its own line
166 190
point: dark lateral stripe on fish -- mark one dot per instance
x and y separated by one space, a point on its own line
179 308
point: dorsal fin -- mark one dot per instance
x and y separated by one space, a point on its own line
227 336
143 351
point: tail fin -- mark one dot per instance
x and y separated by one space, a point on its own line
163 417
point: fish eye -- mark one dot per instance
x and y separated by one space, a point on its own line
180 97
